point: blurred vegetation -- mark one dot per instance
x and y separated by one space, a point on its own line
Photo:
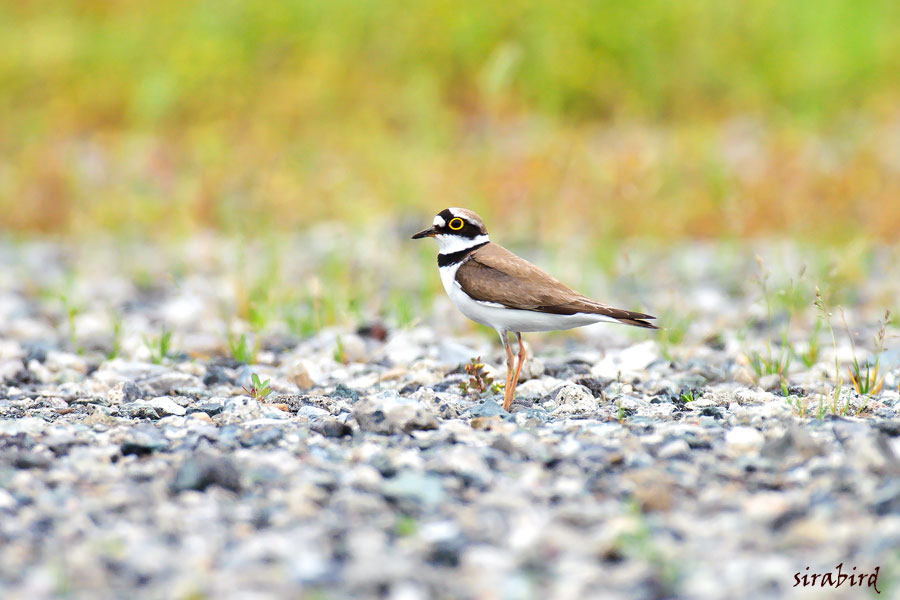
658 118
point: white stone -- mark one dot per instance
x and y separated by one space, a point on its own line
742 440
165 406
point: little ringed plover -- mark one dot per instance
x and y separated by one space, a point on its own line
494 287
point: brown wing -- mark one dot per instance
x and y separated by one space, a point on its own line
494 274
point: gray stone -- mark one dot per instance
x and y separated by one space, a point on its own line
487 408
260 436
770 383
143 440
165 406
414 490
342 391
205 470
171 383
388 413
675 449
331 427
572 399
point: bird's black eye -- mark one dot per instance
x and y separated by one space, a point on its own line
455 224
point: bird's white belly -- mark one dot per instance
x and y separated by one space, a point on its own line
509 319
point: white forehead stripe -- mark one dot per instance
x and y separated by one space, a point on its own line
439 221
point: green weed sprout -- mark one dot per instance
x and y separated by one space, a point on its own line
258 389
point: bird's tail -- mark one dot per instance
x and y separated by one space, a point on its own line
639 322
627 317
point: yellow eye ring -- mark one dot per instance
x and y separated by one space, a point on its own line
455 224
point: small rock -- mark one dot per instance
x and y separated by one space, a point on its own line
170 383
488 408
200 416
143 440
200 472
165 406
743 440
331 427
131 392
675 449
29 460
770 383
303 374
486 423
796 443
312 412
572 399
139 410
100 416
261 436
209 407
413 490
342 391
388 413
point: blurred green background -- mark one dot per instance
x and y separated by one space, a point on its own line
695 118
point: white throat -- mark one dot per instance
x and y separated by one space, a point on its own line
448 244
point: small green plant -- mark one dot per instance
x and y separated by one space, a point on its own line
865 377
676 326
638 542
811 356
71 309
258 389
479 381
405 526
116 346
159 347
301 320
688 396
770 363
825 314
242 350
340 356
798 406
775 361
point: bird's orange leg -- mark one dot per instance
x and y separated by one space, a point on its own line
515 381
507 390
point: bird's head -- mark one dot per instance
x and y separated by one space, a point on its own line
455 229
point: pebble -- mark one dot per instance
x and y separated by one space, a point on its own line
200 472
331 427
675 449
388 412
742 440
165 406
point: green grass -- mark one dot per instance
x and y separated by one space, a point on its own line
778 354
71 309
160 347
241 350
770 362
673 327
116 341
865 378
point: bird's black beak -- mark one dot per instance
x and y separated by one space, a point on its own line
430 232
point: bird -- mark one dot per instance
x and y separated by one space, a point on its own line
492 286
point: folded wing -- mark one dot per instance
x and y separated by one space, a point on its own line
494 274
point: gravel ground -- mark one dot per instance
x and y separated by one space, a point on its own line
632 465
